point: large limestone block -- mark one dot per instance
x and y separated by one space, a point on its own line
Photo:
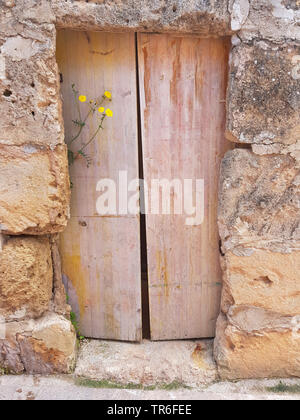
263 279
265 353
34 190
26 278
181 16
29 78
264 94
45 346
259 200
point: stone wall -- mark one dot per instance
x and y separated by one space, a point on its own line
36 335
258 331
258 328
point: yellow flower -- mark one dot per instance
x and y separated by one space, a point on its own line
82 98
107 94
109 112
101 109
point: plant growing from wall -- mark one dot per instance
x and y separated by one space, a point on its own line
74 321
95 107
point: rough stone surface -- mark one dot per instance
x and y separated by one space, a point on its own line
239 10
250 319
267 352
46 345
264 94
258 330
58 304
29 80
34 189
263 279
259 202
25 278
2 241
189 363
275 20
199 16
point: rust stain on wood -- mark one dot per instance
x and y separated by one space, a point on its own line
175 92
162 271
73 269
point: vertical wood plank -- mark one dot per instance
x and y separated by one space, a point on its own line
183 87
101 255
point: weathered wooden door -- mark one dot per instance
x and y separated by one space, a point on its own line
182 84
101 254
183 87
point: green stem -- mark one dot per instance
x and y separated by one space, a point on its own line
76 101
92 110
91 139
76 137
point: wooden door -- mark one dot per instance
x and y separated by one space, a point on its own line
182 88
182 84
101 254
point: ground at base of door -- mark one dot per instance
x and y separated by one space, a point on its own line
68 387
170 370
167 365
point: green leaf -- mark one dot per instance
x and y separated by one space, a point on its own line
71 157
88 158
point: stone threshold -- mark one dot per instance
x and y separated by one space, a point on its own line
162 364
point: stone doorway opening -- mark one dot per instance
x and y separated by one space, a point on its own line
257 332
155 275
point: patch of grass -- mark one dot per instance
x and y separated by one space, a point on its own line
172 386
74 321
4 371
284 388
75 324
90 383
